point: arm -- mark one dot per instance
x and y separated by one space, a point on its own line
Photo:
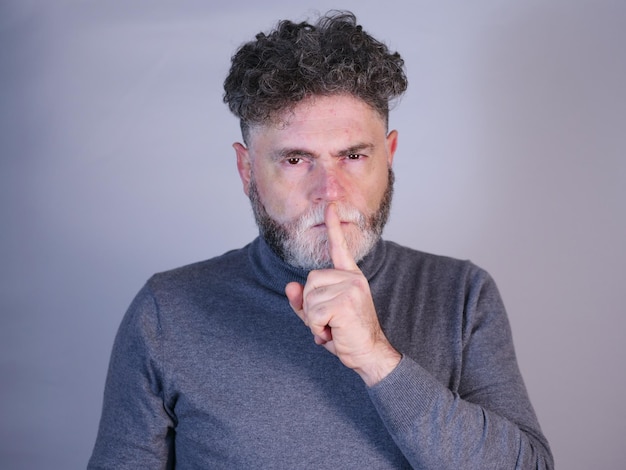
487 422
136 429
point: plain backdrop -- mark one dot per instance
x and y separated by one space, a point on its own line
116 162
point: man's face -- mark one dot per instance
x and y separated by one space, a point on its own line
328 149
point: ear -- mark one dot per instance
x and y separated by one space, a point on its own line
244 165
392 145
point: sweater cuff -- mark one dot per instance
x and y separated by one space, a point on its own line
406 396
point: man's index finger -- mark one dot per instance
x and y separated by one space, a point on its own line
338 246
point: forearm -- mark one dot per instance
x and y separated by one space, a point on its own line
436 428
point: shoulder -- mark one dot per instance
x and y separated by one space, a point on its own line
409 260
184 293
203 272
432 276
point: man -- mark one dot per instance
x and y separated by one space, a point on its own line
318 345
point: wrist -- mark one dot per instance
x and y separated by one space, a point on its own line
386 359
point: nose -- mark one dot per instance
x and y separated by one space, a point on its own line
329 184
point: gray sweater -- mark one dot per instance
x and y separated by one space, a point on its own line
212 369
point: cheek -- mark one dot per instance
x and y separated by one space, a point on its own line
282 201
368 193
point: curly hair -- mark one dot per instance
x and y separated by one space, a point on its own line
297 60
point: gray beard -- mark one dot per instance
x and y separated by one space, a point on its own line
298 246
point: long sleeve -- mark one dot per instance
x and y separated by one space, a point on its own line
136 430
482 418
212 369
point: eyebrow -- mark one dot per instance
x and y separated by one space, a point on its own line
284 153
358 148
290 152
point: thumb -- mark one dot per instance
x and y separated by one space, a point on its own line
294 292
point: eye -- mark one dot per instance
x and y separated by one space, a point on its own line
294 160
354 156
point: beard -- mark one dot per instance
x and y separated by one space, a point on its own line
296 243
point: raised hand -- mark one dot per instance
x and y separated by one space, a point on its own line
336 304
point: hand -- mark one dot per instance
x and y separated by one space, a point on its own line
336 304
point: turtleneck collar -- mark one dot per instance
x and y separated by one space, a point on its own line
274 273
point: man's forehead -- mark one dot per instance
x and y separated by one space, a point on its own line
317 109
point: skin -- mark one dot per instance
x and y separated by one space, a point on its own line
330 150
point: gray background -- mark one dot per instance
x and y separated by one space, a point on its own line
115 162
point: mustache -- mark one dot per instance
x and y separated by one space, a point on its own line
315 216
